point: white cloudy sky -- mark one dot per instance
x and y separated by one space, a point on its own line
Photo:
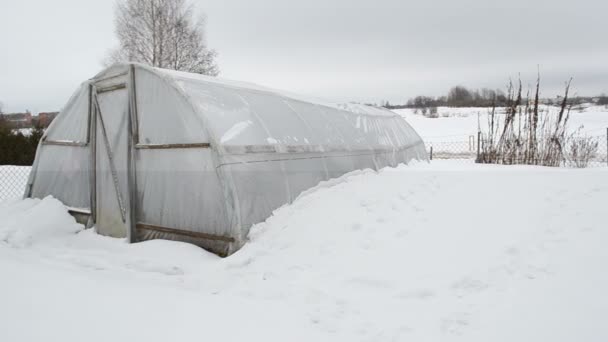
344 50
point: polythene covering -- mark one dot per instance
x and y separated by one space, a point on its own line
208 156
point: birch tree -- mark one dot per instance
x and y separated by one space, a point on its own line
164 34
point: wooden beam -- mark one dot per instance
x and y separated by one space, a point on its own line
170 146
205 236
64 143
80 211
111 88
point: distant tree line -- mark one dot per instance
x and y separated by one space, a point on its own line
601 100
460 96
17 148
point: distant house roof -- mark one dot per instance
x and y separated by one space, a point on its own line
18 117
48 113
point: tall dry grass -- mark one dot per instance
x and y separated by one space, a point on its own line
530 134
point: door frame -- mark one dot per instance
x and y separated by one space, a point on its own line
132 137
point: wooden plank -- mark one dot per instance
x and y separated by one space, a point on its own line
170 146
133 129
80 215
64 143
133 105
80 211
111 88
205 236
311 149
92 138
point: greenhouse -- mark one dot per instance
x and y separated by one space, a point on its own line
145 153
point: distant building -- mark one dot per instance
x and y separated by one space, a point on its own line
45 118
18 120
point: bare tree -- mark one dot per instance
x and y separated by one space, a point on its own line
164 34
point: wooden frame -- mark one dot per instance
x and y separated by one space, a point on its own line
204 236
64 143
132 140
93 156
170 146
111 88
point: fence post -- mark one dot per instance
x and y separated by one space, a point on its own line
606 146
431 153
478 145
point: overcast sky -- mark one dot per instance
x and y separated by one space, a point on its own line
342 50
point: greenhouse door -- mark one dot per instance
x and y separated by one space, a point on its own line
111 151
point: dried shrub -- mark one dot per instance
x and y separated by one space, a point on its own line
525 133
433 113
581 150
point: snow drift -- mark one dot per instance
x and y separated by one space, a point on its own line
29 221
422 253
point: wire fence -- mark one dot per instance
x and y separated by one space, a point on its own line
13 180
468 149
465 150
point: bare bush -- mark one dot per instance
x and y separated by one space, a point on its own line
433 113
581 150
526 134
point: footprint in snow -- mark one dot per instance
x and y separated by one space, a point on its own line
455 323
145 267
468 286
420 294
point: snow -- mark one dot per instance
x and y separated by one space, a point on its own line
25 131
458 124
427 252
21 224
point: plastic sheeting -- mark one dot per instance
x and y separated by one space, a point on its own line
272 146
73 123
181 189
164 116
251 150
63 171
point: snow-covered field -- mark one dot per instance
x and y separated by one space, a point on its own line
429 252
458 124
